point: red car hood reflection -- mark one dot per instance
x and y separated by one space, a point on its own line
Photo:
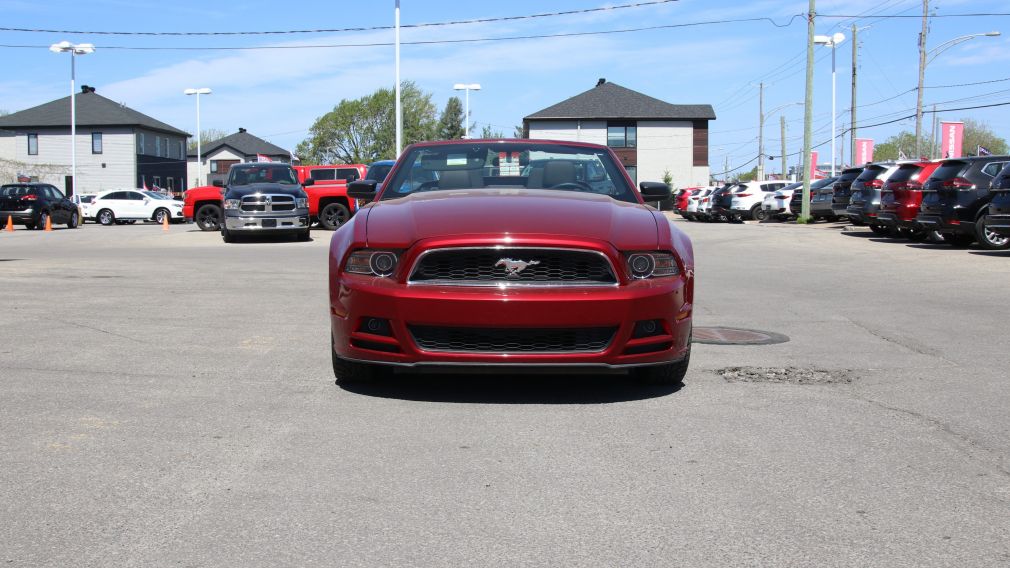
511 212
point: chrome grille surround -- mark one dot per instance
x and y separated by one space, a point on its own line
267 203
475 266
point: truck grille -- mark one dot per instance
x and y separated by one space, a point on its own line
504 340
513 266
260 203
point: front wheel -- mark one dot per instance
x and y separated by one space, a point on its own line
668 374
208 218
75 220
346 372
304 236
758 214
988 239
106 217
333 216
161 215
227 235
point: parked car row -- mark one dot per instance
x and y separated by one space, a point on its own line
957 200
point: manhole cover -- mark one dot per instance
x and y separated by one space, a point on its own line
792 375
736 336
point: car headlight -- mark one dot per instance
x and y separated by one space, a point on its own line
380 263
232 203
642 265
302 202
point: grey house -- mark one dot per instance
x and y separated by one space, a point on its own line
237 148
116 146
650 136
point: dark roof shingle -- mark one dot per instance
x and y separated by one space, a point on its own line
92 110
610 100
244 143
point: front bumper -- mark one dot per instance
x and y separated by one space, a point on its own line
267 223
354 299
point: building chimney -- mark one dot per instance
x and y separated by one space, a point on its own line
601 81
87 89
241 130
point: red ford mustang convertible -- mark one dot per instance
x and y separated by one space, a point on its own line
521 255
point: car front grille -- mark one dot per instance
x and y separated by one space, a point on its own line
509 340
260 203
513 266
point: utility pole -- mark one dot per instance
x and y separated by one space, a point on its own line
808 114
932 137
852 113
725 169
761 130
782 123
922 76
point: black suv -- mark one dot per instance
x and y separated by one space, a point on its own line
864 196
955 200
821 192
998 219
263 198
32 203
842 191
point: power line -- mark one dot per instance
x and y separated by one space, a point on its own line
894 16
357 29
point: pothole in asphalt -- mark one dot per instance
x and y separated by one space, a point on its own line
787 375
736 336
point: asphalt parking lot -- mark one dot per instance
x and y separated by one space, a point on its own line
168 400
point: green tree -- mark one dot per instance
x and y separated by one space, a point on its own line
518 132
978 134
748 176
450 123
364 130
207 136
488 132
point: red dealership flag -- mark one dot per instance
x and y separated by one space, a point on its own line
813 165
864 150
262 158
953 136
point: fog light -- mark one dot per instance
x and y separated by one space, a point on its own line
647 328
376 326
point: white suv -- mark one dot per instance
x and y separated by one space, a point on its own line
748 197
124 205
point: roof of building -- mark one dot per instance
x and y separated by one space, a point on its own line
610 100
244 143
92 110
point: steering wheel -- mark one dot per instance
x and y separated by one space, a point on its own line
573 186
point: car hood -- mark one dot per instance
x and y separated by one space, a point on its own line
240 191
511 212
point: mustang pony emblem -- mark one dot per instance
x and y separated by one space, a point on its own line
514 267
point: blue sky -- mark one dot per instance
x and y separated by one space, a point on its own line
278 93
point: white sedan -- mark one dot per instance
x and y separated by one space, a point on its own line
131 205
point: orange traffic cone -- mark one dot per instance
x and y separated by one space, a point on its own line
49 223
164 223
10 224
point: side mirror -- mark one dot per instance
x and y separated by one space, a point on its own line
218 183
654 190
308 182
362 189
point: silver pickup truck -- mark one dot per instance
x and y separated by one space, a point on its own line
264 198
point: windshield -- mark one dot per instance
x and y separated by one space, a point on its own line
156 195
262 174
378 172
822 183
518 165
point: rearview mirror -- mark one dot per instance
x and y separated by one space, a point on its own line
362 189
308 182
654 190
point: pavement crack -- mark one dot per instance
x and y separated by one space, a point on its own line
81 325
996 456
901 343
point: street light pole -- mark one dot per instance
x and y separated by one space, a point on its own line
74 50
399 108
832 41
466 109
761 126
808 118
199 148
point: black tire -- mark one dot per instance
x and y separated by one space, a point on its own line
333 216
304 236
988 239
75 220
227 235
757 213
40 225
161 214
106 217
882 230
958 239
856 222
668 374
208 217
347 372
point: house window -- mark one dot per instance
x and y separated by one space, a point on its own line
140 142
221 166
622 135
182 151
33 144
157 182
157 146
96 142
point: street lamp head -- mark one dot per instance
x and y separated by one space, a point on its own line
61 47
466 86
831 40
200 91
992 34
84 48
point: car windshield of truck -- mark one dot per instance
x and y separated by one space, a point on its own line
378 172
262 174
530 165
948 170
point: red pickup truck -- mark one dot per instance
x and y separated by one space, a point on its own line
328 201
